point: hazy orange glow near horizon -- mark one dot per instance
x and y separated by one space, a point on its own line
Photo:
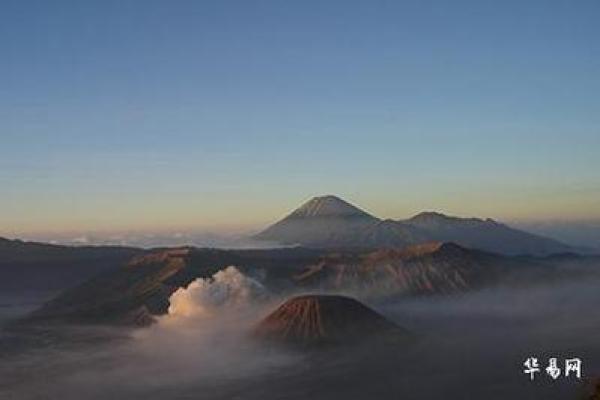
199 115
247 215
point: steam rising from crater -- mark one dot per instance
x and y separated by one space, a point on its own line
204 335
226 288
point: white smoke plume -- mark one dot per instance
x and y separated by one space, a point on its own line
205 333
469 346
226 288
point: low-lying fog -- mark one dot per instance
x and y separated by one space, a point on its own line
14 304
148 240
470 347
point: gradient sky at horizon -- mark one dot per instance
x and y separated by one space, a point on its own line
227 114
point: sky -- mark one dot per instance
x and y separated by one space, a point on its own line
222 115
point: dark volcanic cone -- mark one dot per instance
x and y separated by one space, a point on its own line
325 320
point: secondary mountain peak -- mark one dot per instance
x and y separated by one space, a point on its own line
428 218
328 206
430 215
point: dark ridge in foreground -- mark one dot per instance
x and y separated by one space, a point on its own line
30 266
135 292
316 320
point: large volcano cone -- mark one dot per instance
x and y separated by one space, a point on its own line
325 319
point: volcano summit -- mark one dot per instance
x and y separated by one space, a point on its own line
330 222
325 221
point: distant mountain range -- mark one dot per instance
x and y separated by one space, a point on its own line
324 225
330 222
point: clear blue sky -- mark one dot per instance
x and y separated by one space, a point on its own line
146 114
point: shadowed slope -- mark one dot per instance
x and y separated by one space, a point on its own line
425 269
29 266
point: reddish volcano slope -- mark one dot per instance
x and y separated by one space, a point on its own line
324 319
432 268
